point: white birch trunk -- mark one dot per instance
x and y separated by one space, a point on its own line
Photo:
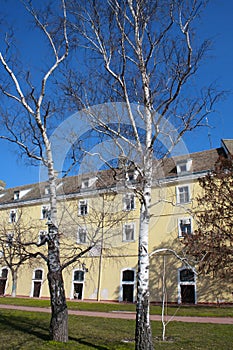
14 282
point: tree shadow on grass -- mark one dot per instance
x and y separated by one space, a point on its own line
90 345
25 324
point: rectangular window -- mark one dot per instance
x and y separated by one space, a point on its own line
85 183
82 235
128 232
16 195
183 195
9 239
129 201
42 237
45 212
13 216
184 226
82 207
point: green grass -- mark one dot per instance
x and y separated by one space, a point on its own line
29 330
205 311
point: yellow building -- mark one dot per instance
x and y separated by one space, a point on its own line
100 211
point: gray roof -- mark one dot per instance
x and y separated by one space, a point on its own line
71 186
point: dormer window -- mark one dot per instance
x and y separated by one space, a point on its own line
85 183
16 195
47 190
184 166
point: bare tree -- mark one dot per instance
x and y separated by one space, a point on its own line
17 246
26 122
211 244
143 52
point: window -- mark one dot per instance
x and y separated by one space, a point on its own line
12 218
129 201
128 232
16 195
9 239
82 207
47 190
184 166
128 275
184 226
183 194
79 275
85 183
45 212
38 274
82 235
187 275
42 237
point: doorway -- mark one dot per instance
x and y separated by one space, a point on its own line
78 281
127 284
3 280
37 283
186 286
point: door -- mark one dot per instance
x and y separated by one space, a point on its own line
2 286
128 292
78 291
3 280
36 289
187 294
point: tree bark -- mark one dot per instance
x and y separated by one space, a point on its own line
59 315
14 282
143 334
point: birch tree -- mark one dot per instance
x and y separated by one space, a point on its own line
140 52
26 121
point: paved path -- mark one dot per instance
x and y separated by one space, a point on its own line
126 315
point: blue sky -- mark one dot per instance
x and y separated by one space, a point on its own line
216 23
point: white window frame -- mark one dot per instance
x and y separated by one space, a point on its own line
185 219
133 283
16 195
84 229
129 198
37 280
187 163
41 234
81 203
132 226
13 211
76 281
191 283
178 194
47 207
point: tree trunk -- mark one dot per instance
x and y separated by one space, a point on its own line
143 336
14 282
59 316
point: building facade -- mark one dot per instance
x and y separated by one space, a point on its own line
100 212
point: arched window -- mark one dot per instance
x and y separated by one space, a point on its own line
38 274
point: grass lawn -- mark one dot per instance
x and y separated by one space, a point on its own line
29 330
204 311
